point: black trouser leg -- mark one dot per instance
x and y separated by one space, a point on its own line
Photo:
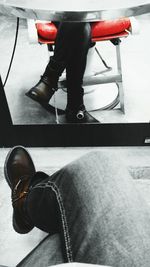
76 63
41 205
71 46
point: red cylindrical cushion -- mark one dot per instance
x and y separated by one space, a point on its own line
48 31
110 27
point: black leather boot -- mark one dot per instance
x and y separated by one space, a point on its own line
47 85
76 115
75 109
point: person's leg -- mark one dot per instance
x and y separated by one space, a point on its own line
108 220
76 64
76 38
21 175
47 85
97 208
102 217
71 47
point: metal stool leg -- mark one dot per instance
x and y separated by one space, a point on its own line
120 83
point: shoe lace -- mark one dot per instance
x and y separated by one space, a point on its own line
15 195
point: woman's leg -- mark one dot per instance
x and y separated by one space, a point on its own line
101 215
71 48
76 38
76 64
47 85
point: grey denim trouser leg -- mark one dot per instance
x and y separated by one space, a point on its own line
104 219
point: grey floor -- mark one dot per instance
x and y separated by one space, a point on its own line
13 247
30 61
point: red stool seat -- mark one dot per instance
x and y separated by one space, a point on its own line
102 30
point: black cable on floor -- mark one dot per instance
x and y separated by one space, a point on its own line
14 49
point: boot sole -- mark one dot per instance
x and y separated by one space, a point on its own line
45 105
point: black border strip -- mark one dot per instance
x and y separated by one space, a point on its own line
76 135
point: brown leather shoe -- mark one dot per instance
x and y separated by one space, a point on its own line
18 170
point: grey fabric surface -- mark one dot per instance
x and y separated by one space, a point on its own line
107 217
